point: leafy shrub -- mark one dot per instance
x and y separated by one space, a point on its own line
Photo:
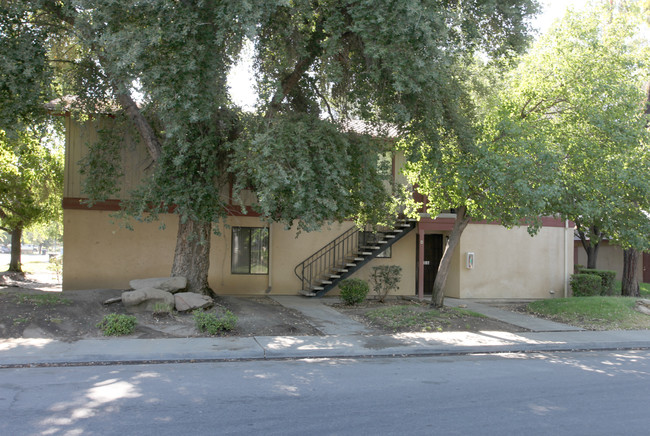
117 325
607 279
385 278
353 291
212 323
585 285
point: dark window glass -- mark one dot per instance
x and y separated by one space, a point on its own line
250 250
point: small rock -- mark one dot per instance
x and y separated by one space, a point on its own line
112 300
186 301
169 284
146 299
643 306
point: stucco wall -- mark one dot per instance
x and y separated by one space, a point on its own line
100 254
509 263
610 257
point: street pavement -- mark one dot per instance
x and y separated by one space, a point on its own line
342 337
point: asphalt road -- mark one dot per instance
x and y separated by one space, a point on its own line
590 393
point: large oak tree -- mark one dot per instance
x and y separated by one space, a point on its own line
320 63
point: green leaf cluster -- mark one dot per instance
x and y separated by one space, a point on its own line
580 94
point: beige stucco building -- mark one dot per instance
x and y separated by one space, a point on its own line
249 256
610 257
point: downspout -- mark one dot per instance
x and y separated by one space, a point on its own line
566 259
268 289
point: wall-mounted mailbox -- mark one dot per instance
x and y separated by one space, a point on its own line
469 260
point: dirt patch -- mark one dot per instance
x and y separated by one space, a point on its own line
407 315
30 309
36 309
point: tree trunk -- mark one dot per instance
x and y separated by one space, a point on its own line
438 294
629 284
15 264
192 254
590 249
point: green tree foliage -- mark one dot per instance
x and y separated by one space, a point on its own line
383 62
31 182
580 91
25 74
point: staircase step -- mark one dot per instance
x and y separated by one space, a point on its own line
363 253
397 231
324 282
370 247
403 225
334 276
307 293
389 236
351 265
340 270
317 288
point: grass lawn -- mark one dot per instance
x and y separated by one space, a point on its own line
593 313
33 265
645 289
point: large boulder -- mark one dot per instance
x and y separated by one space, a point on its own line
186 301
169 284
147 299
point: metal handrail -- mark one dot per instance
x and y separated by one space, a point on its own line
330 256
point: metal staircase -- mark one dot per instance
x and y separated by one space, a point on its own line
339 259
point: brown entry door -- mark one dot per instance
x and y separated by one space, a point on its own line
432 255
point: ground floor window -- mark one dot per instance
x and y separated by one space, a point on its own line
250 250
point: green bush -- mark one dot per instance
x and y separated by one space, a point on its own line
585 285
212 323
353 291
607 279
385 278
117 325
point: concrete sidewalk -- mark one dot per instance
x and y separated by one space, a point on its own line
37 352
343 338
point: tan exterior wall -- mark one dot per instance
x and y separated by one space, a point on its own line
100 254
512 264
610 257
135 159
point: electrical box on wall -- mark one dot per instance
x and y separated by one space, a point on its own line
469 260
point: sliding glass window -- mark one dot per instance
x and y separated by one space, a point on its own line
250 250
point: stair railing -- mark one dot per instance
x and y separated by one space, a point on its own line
332 255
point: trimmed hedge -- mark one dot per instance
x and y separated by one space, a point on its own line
353 291
586 285
607 278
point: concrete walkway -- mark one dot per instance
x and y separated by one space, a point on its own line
343 338
517 319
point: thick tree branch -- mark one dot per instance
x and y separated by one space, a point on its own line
130 107
290 81
141 124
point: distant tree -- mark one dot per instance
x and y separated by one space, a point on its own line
31 165
580 91
31 185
